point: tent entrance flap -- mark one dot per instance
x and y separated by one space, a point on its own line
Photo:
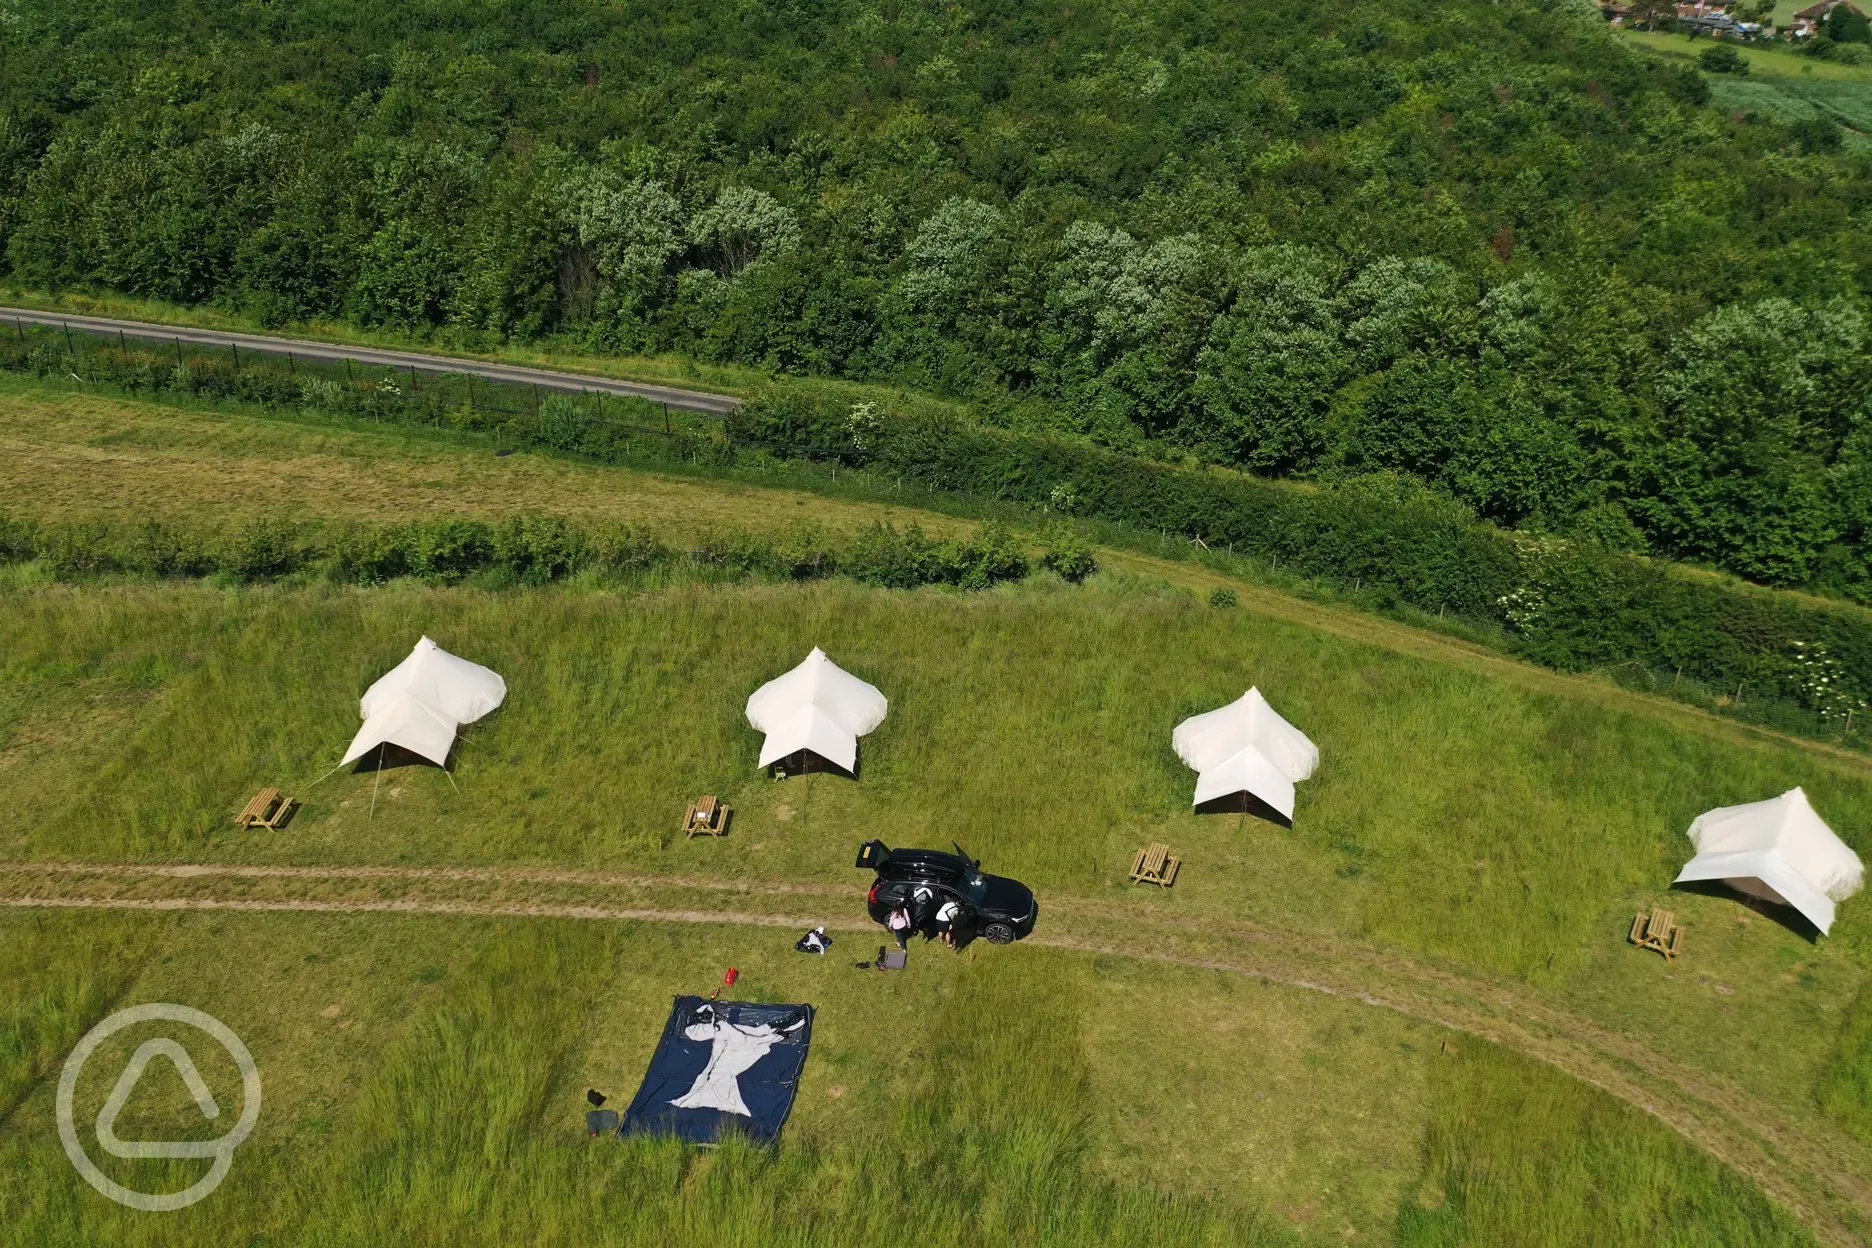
1244 803
722 1067
808 763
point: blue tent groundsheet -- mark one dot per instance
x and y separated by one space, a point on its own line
722 1067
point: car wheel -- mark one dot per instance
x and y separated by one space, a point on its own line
998 934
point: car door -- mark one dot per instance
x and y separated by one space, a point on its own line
887 896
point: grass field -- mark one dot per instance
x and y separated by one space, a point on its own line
1764 61
424 1086
1473 823
81 455
1782 85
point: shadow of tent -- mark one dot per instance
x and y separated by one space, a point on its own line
805 763
1244 803
390 756
1787 916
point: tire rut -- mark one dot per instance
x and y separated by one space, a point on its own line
1816 1173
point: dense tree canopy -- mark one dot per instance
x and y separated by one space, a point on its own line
1476 241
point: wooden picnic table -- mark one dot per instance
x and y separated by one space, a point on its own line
267 810
707 817
1155 864
1658 931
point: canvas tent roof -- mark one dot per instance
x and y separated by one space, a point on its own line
421 702
1778 850
818 706
1246 747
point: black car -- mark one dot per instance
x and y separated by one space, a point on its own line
996 908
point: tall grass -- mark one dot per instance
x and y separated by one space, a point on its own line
1453 813
1845 1087
462 1137
59 974
1520 1154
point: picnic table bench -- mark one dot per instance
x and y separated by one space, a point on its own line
707 817
1155 864
1659 931
267 810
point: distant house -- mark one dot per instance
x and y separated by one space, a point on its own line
1808 20
1706 18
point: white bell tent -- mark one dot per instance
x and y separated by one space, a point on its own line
1778 850
816 711
1246 757
421 702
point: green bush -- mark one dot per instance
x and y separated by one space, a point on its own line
882 556
989 556
161 549
805 552
565 425
19 538
1066 552
368 554
624 548
448 550
1723 59
536 548
81 548
1222 596
259 549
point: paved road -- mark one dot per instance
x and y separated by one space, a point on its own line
544 378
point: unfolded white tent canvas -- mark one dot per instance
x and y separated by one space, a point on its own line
421 702
1245 747
818 706
1778 850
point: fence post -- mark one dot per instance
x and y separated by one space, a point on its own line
414 388
68 346
349 379
20 330
235 348
471 392
536 400
666 427
121 345
178 354
292 369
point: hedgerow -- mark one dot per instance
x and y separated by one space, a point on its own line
527 549
1568 604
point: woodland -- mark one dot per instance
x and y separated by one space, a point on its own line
1484 245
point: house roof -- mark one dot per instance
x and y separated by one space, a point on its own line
1814 13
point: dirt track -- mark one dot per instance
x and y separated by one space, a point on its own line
1818 1173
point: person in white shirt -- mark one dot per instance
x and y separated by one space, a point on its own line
947 916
